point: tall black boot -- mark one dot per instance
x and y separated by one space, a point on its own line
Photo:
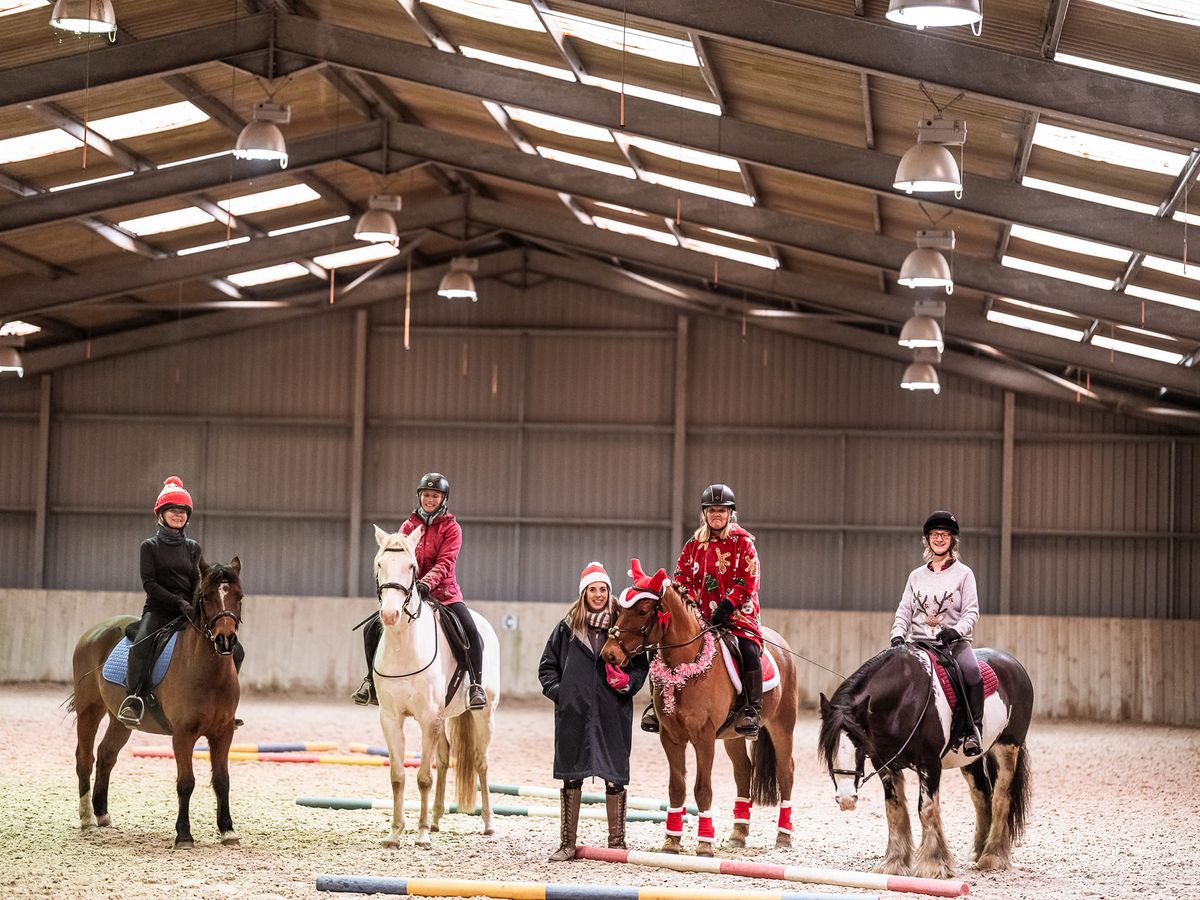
568 824
471 655
615 804
973 743
372 634
748 722
133 707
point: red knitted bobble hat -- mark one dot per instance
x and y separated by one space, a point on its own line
592 573
643 585
173 494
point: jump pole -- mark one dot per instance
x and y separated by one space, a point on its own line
245 756
499 809
540 890
937 887
549 793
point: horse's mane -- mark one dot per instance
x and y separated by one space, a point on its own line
219 573
838 716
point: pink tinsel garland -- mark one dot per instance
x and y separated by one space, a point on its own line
671 680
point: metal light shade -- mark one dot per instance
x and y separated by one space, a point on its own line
377 227
262 140
926 268
921 331
457 285
934 13
920 376
10 361
928 168
84 16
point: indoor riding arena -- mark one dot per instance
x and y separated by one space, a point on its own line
293 293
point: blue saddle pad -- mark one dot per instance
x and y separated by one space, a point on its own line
117 663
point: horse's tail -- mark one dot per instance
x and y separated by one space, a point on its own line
764 786
1021 793
463 747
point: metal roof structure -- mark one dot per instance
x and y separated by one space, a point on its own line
731 159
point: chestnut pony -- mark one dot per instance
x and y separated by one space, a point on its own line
198 695
681 642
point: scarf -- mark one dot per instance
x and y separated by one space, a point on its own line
599 620
170 535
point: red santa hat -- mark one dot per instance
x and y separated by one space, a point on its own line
592 573
173 494
643 585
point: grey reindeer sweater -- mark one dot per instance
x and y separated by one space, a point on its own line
936 600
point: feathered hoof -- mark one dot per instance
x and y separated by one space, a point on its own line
993 862
104 821
893 866
230 839
671 845
935 869
185 845
735 842
704 848
782 840
87 824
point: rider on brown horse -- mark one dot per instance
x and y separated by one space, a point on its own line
718 571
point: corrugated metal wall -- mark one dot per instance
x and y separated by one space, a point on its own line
553 409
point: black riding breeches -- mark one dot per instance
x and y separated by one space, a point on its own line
474 655
372 633
968 665
751 664
137 676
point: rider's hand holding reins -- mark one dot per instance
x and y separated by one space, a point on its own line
948 636
723 613
897 641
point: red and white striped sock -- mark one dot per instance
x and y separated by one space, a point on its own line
741 811
785 816
675 822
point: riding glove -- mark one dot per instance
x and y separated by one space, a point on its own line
423 590
948 636
897 641
722 613
617 680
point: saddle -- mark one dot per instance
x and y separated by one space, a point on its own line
458 642
161 652
945 667
732 655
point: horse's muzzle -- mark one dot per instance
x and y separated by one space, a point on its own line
847 804
225 643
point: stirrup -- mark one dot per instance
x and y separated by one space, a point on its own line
971 745
650 720
476 697
749 723
365 695
131 711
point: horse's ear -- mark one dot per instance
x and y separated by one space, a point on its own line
236 565
203 567
381 536
413 538
826 706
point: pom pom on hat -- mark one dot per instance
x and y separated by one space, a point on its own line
643 585
173 494
592 573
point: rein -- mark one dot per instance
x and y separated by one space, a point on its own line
380 587
660 617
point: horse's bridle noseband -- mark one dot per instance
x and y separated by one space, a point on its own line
211 624
380 587
656 616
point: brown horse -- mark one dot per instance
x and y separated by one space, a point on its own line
198 695
705 694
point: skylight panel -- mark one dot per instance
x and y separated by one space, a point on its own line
513 62
1108 150
149 121
498 12
1134 348
1067 190
629 40
76 184
684 154
188 217
1184 12
567 127
730 234
1190 218
620 209
215 245
38 144
1028 265
696 187
742 256
1172 267
587 162
1070 244
650 234
356 256
1191 303
634 90
1015 321
268 274
248 204
12 7
1085 63
193 159
320 223
18 328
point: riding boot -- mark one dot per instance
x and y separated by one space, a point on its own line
372 634
649 716
751 716
471 655
133 707
568 824
615 804
973 743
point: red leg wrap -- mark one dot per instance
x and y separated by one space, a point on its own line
675 822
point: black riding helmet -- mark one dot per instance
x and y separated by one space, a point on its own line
433 481
718 495
941 518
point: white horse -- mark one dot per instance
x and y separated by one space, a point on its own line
413 667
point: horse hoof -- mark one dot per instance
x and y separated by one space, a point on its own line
704 849
670 848
936 870
736 843
782 841
435 828
231 839
104 821
893 867
185 845
992 862
85 824
425 844
391 843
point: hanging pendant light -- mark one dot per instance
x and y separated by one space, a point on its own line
928 166
920 376
935 13
926 267
376 225
261 138
85 17
457 284
921 331
10 357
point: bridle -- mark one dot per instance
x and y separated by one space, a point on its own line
407 591
660 617
207 629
